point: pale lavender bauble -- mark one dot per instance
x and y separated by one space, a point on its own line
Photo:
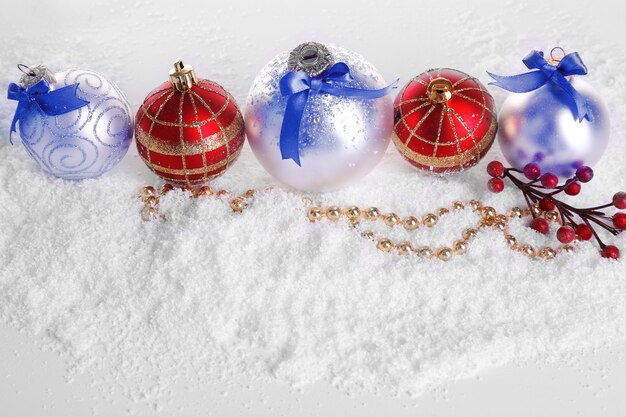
540 127
83 143
341 139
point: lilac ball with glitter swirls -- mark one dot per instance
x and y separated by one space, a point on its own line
83 143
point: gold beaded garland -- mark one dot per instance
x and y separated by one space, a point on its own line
527 250
444 254
425 252
474 204
460 246
547 253
166 188
353 212
488 212
510 240
429 220
391 219
151 200
515 212
384 245
469 233
535 210
405 248
148 190
203 191
457 205
499 225
551 216
315 213
411 223
238 204
442 211
372 214
485 222
489 219
333 213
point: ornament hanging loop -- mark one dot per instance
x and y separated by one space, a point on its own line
182 76
26 70
555 59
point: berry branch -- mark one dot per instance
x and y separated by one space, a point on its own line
541 193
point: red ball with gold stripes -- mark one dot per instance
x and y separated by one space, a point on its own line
445 121
189 130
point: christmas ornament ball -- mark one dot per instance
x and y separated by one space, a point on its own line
189 130
75 141
340 138
539 126
444 121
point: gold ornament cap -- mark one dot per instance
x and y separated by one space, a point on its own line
440 90
182 76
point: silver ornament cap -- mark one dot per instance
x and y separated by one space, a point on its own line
32 75
311 57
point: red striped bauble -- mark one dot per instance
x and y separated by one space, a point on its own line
445 121
189 130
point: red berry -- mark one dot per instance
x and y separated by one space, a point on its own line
540 225
532 171
584 232
495 169
619 200
572 189
546 205
566 234
619 220
495 185
549 180
610 252
584 174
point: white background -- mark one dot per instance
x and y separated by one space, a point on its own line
228 42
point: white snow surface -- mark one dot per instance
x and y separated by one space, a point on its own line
266 293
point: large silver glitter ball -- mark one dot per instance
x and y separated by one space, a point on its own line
540 127
84 143
341 139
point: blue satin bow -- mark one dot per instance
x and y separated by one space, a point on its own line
52 103
297 86
571 64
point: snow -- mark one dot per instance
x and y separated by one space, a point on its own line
266 293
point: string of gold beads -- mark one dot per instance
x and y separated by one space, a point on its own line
489 219
150 198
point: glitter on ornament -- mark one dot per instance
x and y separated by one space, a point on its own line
339 137
75 124
445 121
553 118
189 130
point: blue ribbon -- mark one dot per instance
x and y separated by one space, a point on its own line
571 64
298 84
52 103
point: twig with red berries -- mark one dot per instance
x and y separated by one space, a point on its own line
541 194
